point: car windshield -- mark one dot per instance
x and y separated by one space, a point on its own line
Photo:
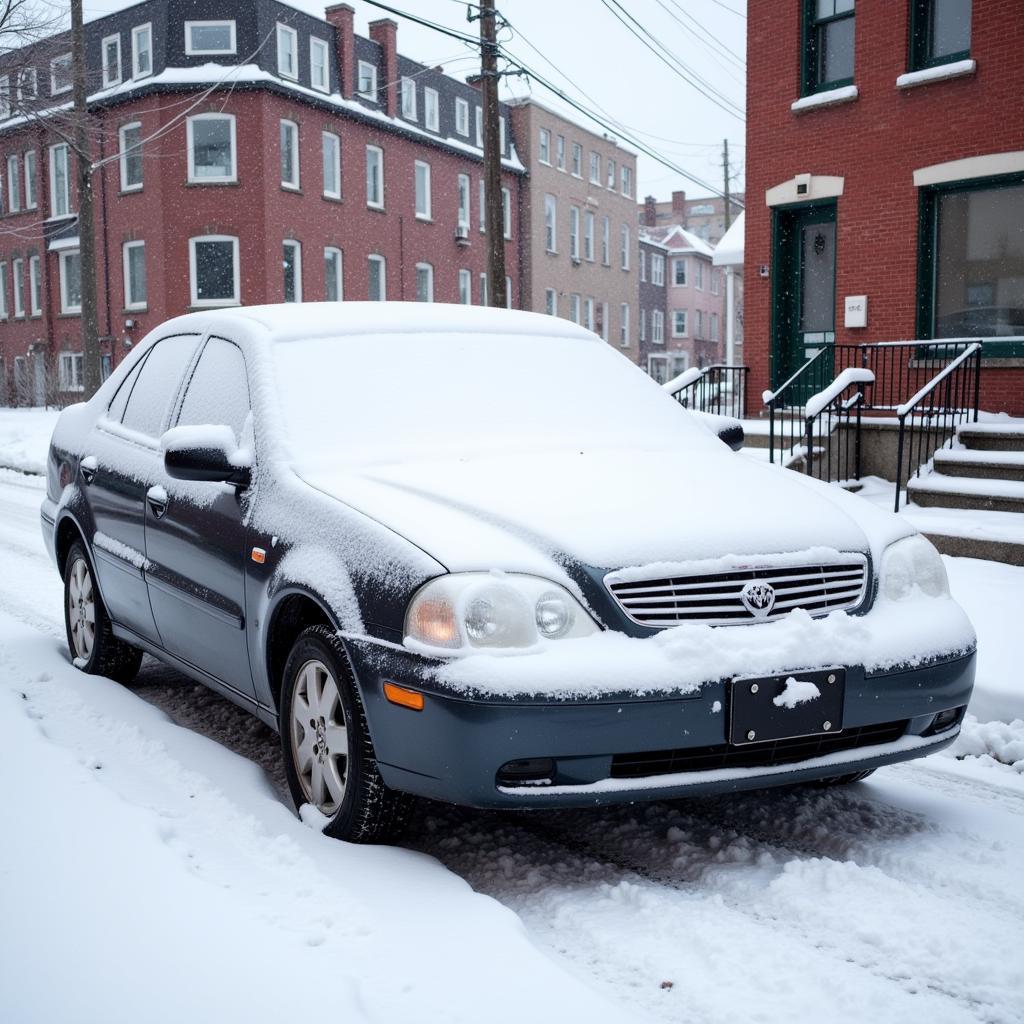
399 397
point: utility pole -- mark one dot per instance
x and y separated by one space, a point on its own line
725 171
495 215
86 232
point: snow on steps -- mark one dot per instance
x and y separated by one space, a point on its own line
988 495
999 435
980 463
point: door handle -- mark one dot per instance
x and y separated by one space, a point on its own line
88 466
156 497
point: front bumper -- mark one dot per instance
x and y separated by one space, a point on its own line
455 747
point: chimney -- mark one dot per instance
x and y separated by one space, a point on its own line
385 34
679 207
650 219
342 17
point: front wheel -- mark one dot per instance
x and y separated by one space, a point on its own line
91 640
328 756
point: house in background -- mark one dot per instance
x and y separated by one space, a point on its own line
659 359
703 217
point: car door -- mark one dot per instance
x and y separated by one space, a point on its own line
196 537
120 458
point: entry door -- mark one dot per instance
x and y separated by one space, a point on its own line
805 294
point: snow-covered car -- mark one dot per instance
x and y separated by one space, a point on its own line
478 556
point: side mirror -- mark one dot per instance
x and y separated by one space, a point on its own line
206 453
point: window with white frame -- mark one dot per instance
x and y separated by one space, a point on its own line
657 327
28 84
287 52
5 96
605 323
464 204
35 287
624 325
18 283
574 232
679 271
544 146
333 274
422 188
424 282
501 134
612 171
70 267
69 372
462 117
698 320
60 74
331 145
130 157
13 183
588 313
698 276
211 148
595 168
551 301
714 281
133 259
479 127
577 160
506 212
142 50
606 234
560 152
574 308
508 292
376 267
466 287
289 154
625 246
588 236
643 267
714 327
657 269
643 324
111 51
484 297
209 37
482 208
291 264
431 110
319 65
550 223
627 181
367 84
3 290
60 181
679 323
375 177
214 271
409 99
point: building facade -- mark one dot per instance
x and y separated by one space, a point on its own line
703 217
579 225
655 356
247 153
885 149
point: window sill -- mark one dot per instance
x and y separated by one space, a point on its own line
331 199
828 98
129 191
285 187
375 207
424 218
213 183
134 310
939 73
204 307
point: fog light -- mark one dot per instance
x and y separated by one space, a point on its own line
944 721
526 771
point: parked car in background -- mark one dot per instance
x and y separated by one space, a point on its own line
477 556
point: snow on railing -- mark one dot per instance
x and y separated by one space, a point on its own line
851 375
684 380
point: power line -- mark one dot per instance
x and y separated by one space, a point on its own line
713 42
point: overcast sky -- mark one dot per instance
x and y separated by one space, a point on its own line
579 46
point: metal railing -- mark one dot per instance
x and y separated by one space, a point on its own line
717 389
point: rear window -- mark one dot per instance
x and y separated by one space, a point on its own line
157 385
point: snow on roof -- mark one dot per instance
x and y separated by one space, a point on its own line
678 239
729 251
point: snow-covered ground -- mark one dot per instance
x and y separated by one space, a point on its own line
149 870
24 438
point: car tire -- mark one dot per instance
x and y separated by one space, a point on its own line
91 641
328 754
844 780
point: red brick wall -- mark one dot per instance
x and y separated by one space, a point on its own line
875 142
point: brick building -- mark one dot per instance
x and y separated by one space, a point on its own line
885 148
254 154
703 216
659 359
579 233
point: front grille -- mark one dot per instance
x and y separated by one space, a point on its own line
752 755
716 598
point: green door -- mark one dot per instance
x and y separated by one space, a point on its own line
804 297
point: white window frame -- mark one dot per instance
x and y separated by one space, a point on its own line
465 203
35 283
296 248
3 290
366 70
466 287
560 152
676 332
657 327
64 58
233 176
130 300
64 256
5 96
333 250
122 158
191 51
236 299
588 235
286 32
462 117
14 183
714 281
588 312
606 242
624 325
484 296
429 269
698 276
626 242
698 332
605 325
137 31
574 232
377 204
24 76
18 286
375 257
329 140
408 94
482 209
479 127
551 301
317 45
657 269
508 292
55 207
643 267
431 109
506 213
577 160
108 78
550 223
31 162
574 307
680 261
544 146
69 371
290 127
627 181
422 203
713 327
642 319
612 174
595 168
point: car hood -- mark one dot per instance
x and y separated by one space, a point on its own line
608 509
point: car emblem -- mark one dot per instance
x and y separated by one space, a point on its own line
758 599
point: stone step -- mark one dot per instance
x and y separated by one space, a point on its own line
978 547
936 490
993 437
980 464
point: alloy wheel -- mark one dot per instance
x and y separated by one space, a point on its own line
82 609
319 737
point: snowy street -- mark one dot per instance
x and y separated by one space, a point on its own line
137 851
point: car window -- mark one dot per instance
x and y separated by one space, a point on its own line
218 392
157 384
116 408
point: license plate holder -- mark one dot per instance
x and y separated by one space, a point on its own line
752 707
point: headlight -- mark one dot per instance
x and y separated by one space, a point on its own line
913 563
492 610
